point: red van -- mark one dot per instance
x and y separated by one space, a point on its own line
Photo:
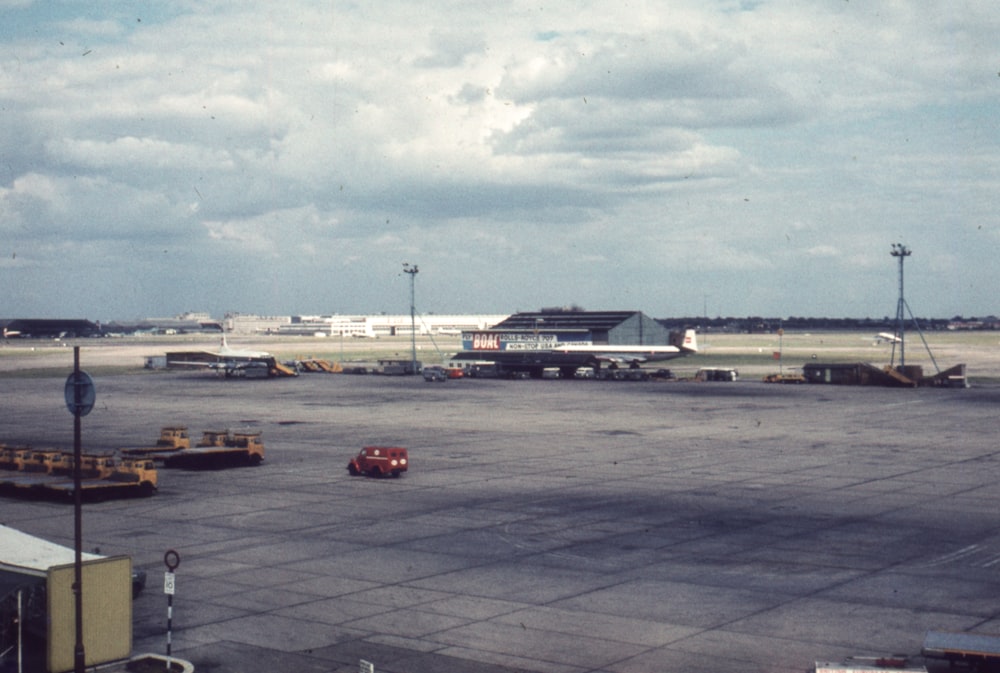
379 461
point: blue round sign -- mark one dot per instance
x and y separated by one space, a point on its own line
80 393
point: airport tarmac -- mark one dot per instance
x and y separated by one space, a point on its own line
550 526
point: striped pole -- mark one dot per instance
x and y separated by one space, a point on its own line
171 559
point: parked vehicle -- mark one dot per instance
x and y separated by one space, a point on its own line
435 373
379 461
716 374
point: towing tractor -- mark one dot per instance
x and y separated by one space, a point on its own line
219 448
47 473
172 438
379 461
216 449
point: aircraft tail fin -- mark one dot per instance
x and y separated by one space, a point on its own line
686 341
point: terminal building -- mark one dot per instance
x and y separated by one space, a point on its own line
359 326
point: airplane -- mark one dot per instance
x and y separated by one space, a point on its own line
235 362
236 353
633 355
887 337
569 357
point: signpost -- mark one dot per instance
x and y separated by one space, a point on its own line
80 395
80 392
171 559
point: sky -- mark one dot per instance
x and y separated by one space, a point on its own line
679 157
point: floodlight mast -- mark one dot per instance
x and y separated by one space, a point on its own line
902 252
413 271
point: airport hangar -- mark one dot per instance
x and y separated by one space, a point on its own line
519 344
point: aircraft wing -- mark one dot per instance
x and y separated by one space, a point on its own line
211 365
191 363
686 343
623 353
619 358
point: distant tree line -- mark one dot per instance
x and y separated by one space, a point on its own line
765 325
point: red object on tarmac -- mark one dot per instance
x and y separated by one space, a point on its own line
380 461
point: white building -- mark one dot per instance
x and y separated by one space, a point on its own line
371 326
241 323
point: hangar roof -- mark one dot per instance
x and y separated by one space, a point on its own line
566 320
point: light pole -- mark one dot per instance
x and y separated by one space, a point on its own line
413 271
781 351
902 252
80 396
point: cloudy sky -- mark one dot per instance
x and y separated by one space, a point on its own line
675 157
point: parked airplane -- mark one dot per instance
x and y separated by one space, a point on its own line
568 357
236 362
634 355
239 354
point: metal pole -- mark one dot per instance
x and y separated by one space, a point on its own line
902 317
413 271
902 252
78 652
170 626
172 560
413 321
20 632
781 351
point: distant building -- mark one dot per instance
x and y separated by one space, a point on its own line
987 323
360 326
49 328
185 323
246 323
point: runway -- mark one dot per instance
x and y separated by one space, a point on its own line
551 526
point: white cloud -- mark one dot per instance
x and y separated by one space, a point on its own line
147 154
753 142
